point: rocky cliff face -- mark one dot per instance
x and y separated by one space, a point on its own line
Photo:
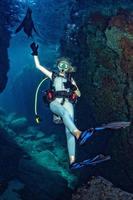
4 44
8 16
101 46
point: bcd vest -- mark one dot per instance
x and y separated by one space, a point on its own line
69 91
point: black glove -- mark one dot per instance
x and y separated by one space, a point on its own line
68 84
73 87
34 48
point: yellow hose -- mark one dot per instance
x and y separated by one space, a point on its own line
36 100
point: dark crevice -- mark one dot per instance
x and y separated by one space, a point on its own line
125 94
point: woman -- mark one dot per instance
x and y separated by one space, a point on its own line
61 105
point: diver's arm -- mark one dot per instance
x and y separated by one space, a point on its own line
34 48
41 68
77 91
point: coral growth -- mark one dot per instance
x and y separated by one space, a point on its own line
127 55
109 82
119 30
99 20
119 21
123 21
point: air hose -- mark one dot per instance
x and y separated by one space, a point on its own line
37 117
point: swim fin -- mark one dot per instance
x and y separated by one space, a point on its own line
113 125
96 160
86 135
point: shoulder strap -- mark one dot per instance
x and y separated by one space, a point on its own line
54 75
69 77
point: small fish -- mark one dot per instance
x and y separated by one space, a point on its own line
27 24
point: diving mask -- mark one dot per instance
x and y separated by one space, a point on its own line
63 65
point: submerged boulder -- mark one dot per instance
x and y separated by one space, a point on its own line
99 188
13 190
19 124
38 161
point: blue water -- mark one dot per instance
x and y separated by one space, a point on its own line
50 18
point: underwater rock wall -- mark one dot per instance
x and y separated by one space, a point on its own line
8 17
100 44
102 52
4 44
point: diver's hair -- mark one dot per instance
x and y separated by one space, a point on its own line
71 68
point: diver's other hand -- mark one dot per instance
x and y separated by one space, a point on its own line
34 48
68 84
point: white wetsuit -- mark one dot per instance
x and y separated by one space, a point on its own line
66 112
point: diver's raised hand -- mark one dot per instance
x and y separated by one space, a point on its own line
34 48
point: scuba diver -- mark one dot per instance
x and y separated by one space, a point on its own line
61 99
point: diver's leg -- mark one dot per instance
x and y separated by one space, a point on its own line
71 146
69 107
70 138
60 110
